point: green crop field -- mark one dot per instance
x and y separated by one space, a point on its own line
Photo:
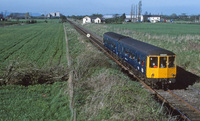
38 43
31 53
182 39
39 102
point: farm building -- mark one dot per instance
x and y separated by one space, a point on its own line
88 19
53 15
17 16
152 18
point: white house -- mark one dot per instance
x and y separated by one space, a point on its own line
154 18
56 14
88 19
97 20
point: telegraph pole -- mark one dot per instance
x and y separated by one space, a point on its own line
132 13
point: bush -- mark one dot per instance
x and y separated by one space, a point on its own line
31 21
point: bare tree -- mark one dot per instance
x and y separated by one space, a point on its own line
136 14
27 15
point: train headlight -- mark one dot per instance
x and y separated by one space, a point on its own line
88 35
152 74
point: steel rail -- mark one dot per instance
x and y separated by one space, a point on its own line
96 41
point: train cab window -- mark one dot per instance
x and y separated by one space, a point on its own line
153 62
171 62
163 62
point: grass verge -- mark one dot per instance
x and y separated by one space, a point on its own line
102 91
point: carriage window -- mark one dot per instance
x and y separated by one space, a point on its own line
129 54
171 62
133 56
114 46
118 47
142 62
153 62
163 62
138 60
126 53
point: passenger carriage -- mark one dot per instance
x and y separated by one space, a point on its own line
154 63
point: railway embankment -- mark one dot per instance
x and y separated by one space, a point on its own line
102 91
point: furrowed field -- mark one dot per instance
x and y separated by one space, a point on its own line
39 43
182 39
32 55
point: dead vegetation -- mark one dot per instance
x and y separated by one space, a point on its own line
27 73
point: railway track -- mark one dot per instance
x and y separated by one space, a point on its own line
177 105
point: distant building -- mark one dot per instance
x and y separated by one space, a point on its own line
108 16
152 18
134 18
1 17
54 15
17 16
128 18
88 19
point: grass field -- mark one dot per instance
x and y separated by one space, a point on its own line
169 29
182 39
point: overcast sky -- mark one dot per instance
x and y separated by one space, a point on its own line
88 7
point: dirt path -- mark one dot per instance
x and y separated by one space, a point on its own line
70 80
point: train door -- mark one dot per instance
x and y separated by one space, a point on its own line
126 54
133 59
119 48
143 64
152 67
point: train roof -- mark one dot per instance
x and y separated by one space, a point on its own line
140 46
115 36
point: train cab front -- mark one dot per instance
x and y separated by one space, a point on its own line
161 68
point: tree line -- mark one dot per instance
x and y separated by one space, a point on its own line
182 17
